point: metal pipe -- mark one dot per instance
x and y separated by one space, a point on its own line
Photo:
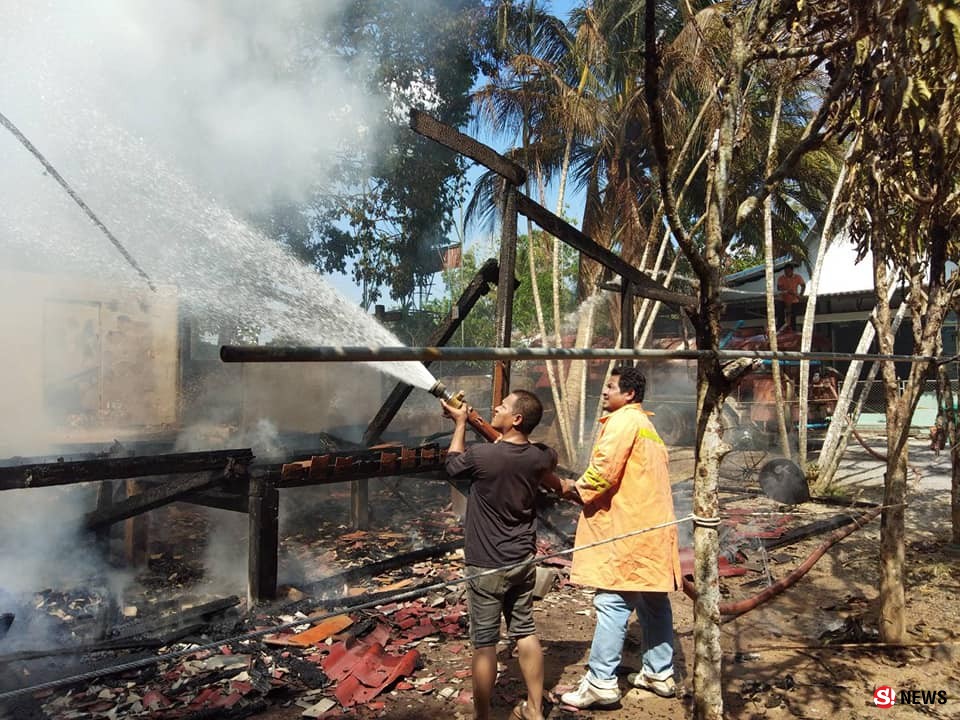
253 353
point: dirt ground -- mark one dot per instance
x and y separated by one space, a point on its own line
776 661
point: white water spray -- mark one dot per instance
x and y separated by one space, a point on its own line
223 270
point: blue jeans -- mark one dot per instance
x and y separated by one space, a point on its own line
613 615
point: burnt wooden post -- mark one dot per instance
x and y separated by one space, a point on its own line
643 285
104 503
149 498
504 318
626 314
136 531
264 539
360 504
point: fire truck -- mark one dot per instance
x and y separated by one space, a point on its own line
751 406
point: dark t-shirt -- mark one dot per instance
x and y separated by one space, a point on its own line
500 526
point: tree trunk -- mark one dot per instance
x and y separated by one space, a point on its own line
781 407
707 661
813 288
947 418
893 603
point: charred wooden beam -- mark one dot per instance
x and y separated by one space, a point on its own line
197 614
219 500
150 499
19 477
503 321
486 276
561 229
803 532
332 582
452 138
111 646
264 540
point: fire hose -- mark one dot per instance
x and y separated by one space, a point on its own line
733 610
863 443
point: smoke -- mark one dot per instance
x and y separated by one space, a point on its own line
171 120
168 118
238 95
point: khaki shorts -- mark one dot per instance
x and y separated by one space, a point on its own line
506 592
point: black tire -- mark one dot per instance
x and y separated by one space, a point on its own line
673 424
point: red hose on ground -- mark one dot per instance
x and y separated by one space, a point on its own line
735 609
863 444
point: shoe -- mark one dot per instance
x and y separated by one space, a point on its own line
588 695
664 688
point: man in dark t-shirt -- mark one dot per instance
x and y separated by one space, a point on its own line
500 530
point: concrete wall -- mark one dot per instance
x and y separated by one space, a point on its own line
84 361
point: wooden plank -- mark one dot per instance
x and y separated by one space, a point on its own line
561 229
149 498
452 138
19 477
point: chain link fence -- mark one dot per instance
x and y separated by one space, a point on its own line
876 403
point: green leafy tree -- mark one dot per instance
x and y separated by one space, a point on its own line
386 206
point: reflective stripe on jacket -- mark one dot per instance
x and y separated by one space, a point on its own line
627 487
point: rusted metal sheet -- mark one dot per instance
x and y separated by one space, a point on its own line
349 466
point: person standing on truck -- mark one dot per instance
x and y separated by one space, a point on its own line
790 286
625 488
500 530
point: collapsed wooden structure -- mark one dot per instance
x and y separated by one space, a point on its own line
222 479
232 480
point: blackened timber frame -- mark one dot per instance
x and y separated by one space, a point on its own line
455 140
151 498
564 231
447 136
19 477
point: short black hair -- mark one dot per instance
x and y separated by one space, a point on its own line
791 264
631 379
529 407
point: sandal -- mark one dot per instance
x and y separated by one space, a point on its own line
517 713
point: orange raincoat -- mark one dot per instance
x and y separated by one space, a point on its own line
627 487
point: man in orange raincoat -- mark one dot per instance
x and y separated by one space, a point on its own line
626 488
